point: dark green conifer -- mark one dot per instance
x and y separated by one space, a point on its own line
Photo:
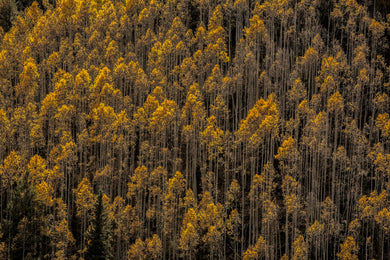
22 226
99 244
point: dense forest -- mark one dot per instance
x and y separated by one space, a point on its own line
195 129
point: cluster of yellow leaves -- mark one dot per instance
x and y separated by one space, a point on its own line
11 169
212 137
163 116
84 197
383 218
151 248
263 184
262 120
257 31
316 128
258 251
45 193
348 250
371 205
336 103
300 249
193 111
383 123
297 92
60 234
189 238
289 156
139 181
315 231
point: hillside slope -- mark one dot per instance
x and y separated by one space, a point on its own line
196 129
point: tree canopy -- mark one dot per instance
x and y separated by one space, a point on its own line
194 129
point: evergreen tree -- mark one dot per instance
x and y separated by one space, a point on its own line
24 224
8 12
99 244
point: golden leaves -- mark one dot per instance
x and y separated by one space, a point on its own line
300 249
262 119
383 218
189 238
336 103
383 123
84 197
369 206
256 32
45 193
212 137
297 92
163 116
28 81
287 149
151 248
258 251
103 119
139 181
11 169
37 169
377 29
193 111
348 250
315 231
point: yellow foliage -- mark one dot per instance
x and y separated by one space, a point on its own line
262 119
369 206
193 110
300 249
311 56
84 197
377 29
383 218
383 123
258 251
28 86
154 247
189 238
103 117
163 116
287 150
250 254
256 32
297 92
189 199
10 170
190 217
270 212
137 250
139 181
37 169
336 103
45 193
232 224
315 230
348 250
233 193
212 137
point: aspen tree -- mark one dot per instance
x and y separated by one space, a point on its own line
84 204
348 249
189 236
61 236
173 208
